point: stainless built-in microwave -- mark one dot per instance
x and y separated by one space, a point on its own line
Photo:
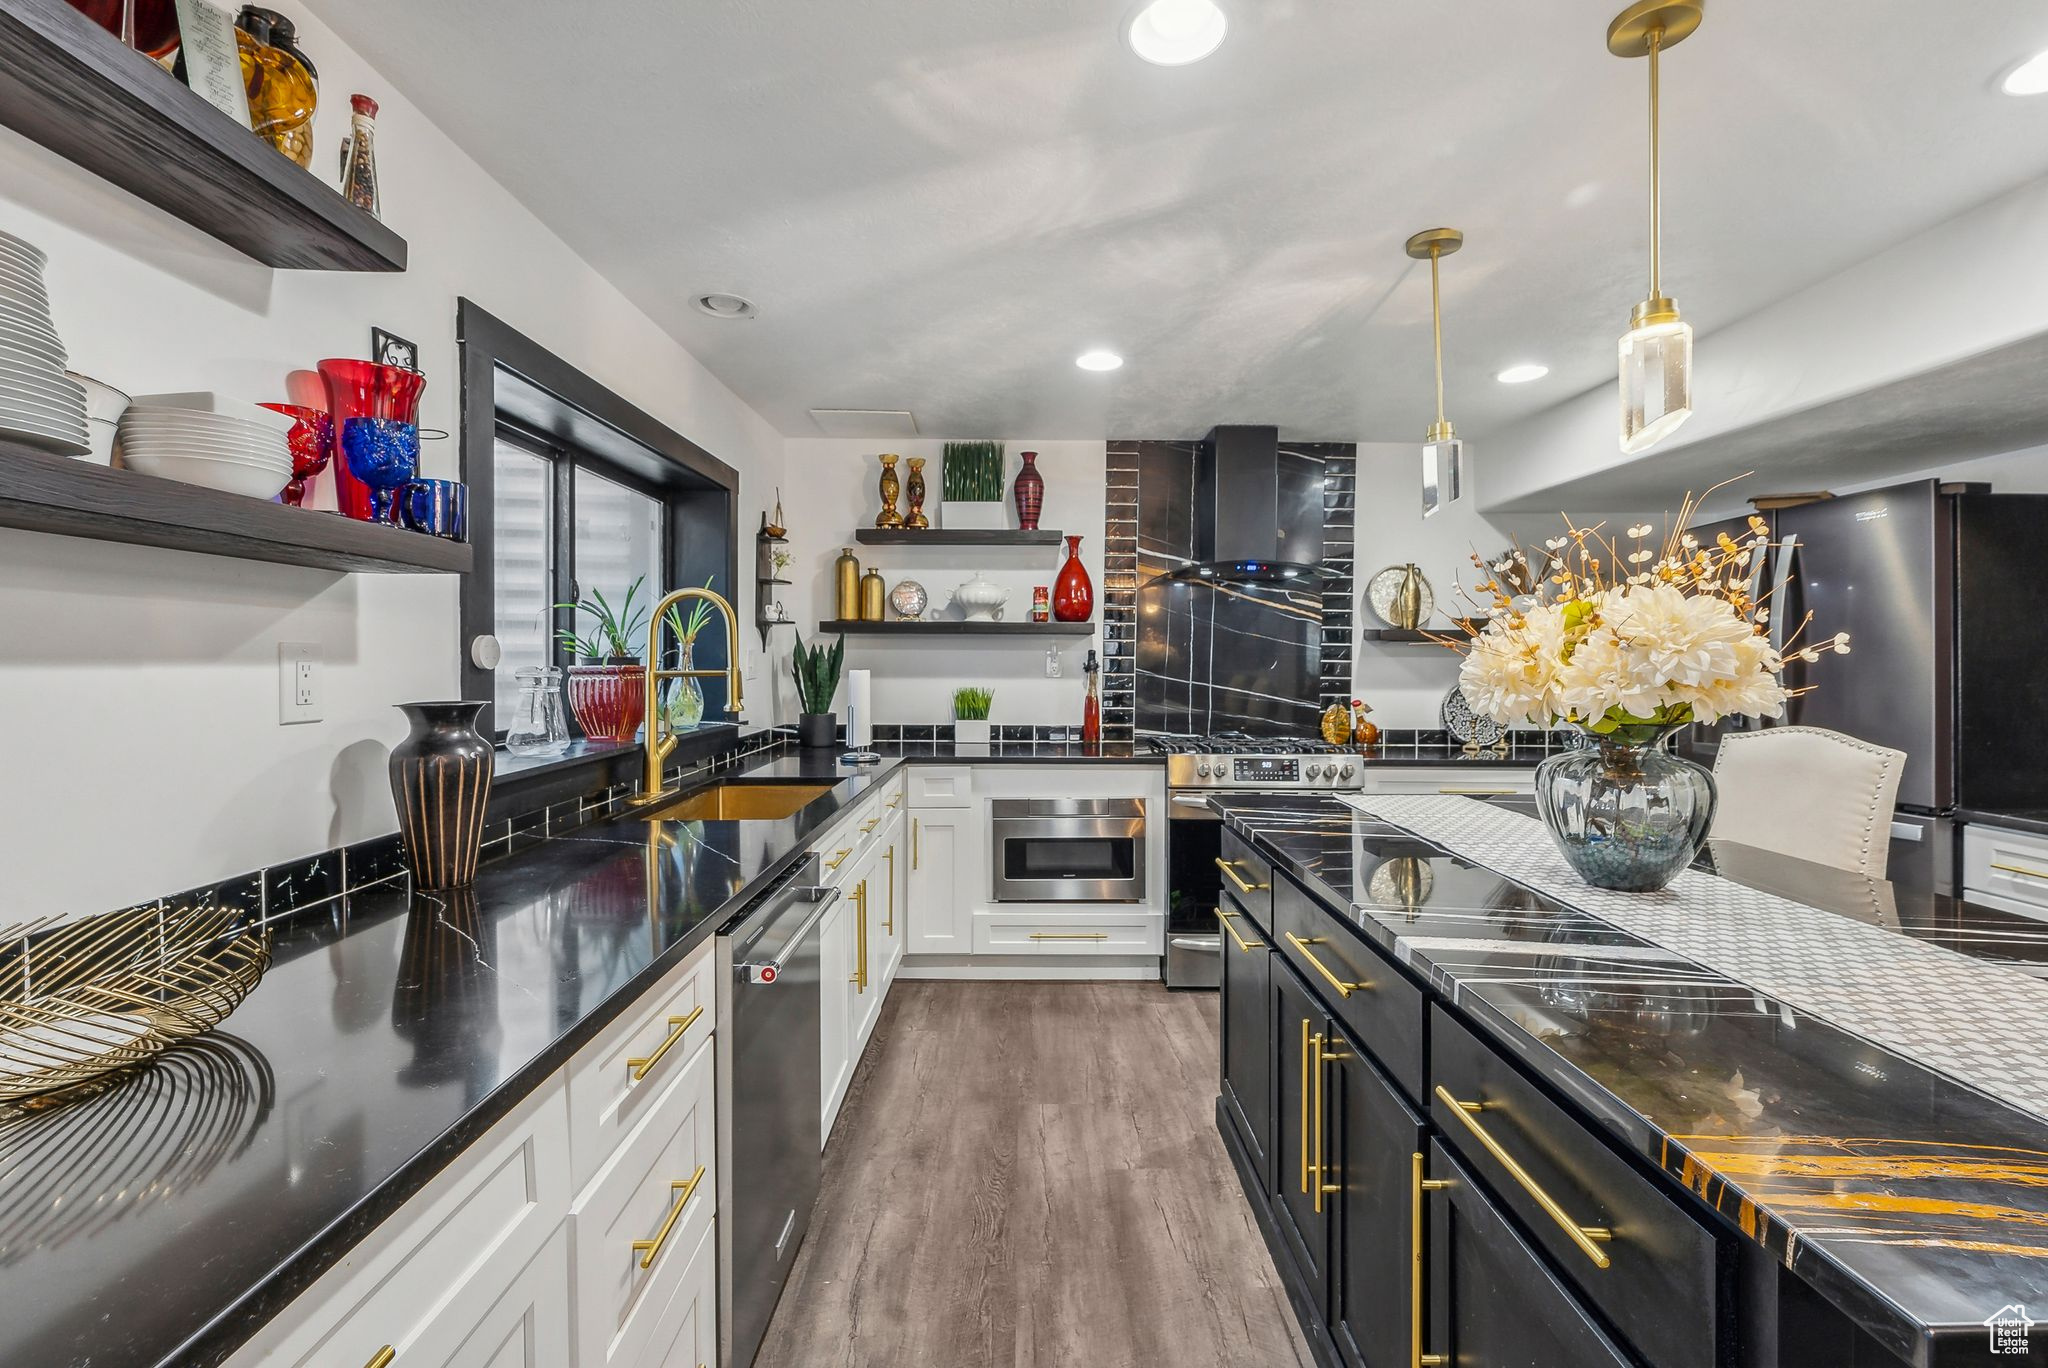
1067 849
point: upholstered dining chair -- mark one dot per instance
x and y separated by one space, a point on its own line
1811 793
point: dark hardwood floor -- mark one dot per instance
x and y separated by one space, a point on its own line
1028 1175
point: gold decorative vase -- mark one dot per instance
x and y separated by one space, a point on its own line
846 581
916 519
892 489
1408 599
873 597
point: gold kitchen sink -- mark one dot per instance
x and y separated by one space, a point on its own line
740 803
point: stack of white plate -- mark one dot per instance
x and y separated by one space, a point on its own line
39 405
208 439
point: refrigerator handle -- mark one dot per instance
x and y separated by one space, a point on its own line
1787 549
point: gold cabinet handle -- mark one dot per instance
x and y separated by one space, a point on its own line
1304 1104
1344 989
1478 793
869 825
1070 935
1320 1185
860 952
650 1250
1229 868
889 926
913 843
1587 1238
893 801
382 1357
2021 870
1416 1190
676 1027
1229 920
838 858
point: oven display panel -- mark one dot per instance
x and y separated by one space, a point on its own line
1265 769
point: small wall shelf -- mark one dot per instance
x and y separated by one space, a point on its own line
75 88
40 492
1426 636
937 629
939 536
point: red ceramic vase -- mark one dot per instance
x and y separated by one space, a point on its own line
609 701
1030 493
1073 593
364 389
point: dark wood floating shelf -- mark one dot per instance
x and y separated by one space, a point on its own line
75 88
916 629
965 536
1428 636
40 492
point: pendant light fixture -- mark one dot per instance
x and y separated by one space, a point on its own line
1656 351
1443 455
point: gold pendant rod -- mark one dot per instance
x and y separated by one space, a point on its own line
1656 41
1436 324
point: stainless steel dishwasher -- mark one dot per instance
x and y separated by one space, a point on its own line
768 1108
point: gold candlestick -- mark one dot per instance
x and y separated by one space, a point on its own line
891 488
916 518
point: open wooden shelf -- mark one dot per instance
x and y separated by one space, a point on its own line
920 629
966 536
75 88
40 492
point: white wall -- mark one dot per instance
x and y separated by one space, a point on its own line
145 754
830 487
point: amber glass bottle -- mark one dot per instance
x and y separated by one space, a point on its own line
282 84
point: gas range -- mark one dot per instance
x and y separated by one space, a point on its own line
1237 760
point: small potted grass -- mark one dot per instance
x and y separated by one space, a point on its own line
970 716
607 691
816 670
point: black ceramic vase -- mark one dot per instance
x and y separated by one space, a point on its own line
440 780
819 731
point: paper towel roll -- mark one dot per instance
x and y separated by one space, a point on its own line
860 727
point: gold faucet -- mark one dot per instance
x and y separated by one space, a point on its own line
656 748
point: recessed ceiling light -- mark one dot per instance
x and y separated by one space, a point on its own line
1098 360
1522 375
724 304
1176 32
2029 77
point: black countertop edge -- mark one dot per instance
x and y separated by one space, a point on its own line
2031 820
1911 1338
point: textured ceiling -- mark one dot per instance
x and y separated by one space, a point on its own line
937 204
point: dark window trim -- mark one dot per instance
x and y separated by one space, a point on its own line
508 380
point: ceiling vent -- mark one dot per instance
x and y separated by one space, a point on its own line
870 423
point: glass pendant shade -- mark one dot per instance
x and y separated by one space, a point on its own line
1656 383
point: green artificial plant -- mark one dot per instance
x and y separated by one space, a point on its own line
971 705
817 674
615 634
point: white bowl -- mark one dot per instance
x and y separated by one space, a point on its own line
197 424
102 401
219 405
101 433
278 458
232 477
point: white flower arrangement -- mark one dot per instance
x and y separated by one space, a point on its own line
1623 636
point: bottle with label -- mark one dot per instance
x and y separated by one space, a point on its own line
359 167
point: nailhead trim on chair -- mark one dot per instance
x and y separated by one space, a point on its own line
1887 758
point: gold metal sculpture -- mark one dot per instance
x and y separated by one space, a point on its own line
80 998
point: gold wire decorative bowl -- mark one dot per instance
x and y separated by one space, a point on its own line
81 998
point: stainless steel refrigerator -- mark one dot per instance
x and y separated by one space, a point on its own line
1943 589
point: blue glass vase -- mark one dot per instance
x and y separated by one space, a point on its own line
1625 812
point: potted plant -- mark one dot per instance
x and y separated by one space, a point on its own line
607 691
683 708
817 679
970 716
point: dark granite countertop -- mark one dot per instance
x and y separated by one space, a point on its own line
2034 820
1916 1204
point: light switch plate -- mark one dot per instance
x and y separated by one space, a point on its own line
299 685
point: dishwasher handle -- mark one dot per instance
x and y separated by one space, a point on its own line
770 969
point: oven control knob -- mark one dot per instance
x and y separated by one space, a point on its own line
1314 771
1348 772
1202 769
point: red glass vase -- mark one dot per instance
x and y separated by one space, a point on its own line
1030 493
1073 593
364 389
609 701
312 445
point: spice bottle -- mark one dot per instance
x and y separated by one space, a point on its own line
359 165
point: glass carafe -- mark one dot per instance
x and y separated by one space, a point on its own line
538 725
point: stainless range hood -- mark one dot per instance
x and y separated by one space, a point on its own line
1258 516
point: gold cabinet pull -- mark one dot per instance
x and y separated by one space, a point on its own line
1416 1190
1323 1055
838 858
1229 868
860 952
676 1027
893 801
1587 1238
1304 1105
2020 870
1478 793
889 926
913 843
1070 935
382 1357
869 825
1344 989
1229 920
650 1250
